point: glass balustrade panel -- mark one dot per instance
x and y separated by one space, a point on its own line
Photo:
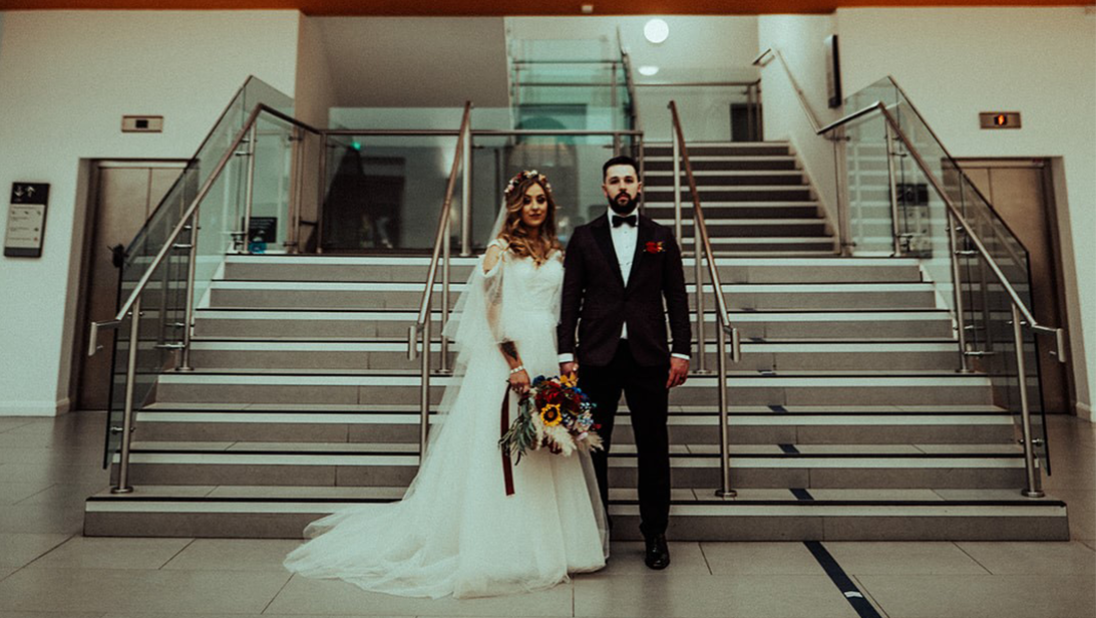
164 300
384 192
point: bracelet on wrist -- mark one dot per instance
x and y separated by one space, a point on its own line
517 369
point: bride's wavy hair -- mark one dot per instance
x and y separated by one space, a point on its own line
514 231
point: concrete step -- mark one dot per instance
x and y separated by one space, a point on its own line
720 149
734 193
226 511
844 466
653 179
270 353
780 388
345 295
794 425
342 324
769 246
757 227
733 210
413 269
705 163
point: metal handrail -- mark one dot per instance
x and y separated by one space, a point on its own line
441 250
696 84
702 248
1021 314
802 97
132 304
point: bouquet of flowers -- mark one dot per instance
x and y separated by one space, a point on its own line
555 414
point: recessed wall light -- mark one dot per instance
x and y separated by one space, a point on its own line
587 9
656 31
648 70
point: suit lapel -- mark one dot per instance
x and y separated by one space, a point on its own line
605 242
644 235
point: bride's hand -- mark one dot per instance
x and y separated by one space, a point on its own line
519 382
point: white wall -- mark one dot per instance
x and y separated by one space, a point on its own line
417 61
800 39
956 62
66 79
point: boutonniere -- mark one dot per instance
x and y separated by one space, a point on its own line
655 247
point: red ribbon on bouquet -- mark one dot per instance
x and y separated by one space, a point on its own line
507 466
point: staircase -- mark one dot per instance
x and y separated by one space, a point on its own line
848 420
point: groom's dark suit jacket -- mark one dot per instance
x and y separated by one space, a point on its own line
596 300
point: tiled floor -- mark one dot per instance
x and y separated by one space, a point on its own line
48 570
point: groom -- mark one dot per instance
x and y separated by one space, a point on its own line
618 270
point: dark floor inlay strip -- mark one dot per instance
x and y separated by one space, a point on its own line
801 494
841 579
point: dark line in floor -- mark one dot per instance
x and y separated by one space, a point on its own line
844 583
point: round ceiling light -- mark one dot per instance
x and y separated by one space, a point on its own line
656 30
648 70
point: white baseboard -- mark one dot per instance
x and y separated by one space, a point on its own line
34 408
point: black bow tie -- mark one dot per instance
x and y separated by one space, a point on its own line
630 220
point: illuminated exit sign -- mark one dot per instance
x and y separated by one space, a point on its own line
999 120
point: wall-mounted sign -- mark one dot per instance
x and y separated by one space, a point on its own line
999 120
26 219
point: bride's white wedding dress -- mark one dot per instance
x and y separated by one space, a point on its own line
456 531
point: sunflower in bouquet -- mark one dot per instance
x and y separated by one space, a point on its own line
554 414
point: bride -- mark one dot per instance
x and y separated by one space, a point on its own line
456 531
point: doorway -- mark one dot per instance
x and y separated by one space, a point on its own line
1021 192
122 196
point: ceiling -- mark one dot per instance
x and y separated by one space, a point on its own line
511 8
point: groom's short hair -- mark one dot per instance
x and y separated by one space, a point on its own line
621 160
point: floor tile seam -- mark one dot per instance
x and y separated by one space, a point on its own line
50 550
278 593
703 555
969 555
163 567
45 489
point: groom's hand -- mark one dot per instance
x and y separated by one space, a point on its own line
679 371
568 368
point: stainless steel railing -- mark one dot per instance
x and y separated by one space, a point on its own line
702 249
132 305
1021 314
441 255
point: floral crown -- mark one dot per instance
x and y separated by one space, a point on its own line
526 175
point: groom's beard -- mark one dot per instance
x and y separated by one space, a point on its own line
622 207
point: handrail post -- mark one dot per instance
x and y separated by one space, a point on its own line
957 289
443 362
724 490
424 395
465 195
321 188
1033 489
123 486
698 276
299 149
896 231
188 316
249 188
677 187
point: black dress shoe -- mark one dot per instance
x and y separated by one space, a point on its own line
657 556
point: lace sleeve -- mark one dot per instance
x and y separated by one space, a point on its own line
492 295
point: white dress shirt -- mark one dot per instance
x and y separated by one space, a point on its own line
624 238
